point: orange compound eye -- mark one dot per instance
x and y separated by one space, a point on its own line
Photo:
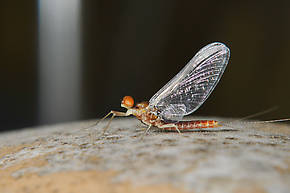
127 102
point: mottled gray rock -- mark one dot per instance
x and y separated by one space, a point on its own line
245 157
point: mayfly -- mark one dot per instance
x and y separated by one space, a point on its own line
183 94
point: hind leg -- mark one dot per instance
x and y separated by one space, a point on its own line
170 125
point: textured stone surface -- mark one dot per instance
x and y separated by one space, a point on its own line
242 157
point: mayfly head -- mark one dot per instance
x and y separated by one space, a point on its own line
127 102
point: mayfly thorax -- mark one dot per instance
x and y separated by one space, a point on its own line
183 94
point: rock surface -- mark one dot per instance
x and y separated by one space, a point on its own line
240 157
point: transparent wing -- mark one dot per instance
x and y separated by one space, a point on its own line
188 90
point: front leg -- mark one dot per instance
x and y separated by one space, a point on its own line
118 114
114 114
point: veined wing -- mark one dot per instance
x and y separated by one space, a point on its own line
188 90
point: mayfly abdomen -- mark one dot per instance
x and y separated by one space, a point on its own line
190 125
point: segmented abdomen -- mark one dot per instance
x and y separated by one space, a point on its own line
188 125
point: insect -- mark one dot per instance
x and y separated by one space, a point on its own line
183 94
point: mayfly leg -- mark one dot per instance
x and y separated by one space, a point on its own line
171 125
146 131
114 114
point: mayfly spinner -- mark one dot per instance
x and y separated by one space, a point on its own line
183 94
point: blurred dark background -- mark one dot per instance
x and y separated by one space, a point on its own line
68 60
